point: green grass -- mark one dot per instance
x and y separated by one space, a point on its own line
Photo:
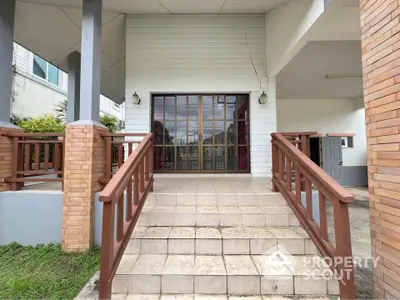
44 272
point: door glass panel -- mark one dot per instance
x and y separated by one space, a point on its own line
181 108
219 132
168 161
170 108
169 133
208 158
193 158
219 107
216 142
193 107
181 133
207 132
219 153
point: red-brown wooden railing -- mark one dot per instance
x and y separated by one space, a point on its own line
285 157
35 155
131 185
118 147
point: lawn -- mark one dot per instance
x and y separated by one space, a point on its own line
44 272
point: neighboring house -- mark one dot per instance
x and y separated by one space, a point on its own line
39 87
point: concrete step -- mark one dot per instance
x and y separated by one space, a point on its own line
221 275
216 297
217 241
217 209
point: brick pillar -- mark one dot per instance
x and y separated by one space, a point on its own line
381 74
6 152
84 166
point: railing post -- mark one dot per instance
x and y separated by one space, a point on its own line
345 266
14 185
107 246
108 155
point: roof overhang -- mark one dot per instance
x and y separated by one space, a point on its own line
52 29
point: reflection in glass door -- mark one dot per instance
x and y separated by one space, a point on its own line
201 133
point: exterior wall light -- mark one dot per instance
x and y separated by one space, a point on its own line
135 99
263 98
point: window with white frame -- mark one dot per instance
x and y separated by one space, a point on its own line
45 70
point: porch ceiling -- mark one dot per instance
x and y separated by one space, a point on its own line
52 29
305 76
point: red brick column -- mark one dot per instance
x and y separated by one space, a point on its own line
6 152
381 74
84 166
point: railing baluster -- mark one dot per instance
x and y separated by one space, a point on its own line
120 218
297 184
15 147
309 198
323 226
120 156
288 173
129 148
37 157
46 156
27 162
280 165
147 162
142 176
136 191
129 202
108 156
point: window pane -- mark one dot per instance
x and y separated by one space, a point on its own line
39 67
52 76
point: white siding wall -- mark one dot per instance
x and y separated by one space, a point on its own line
199 54
327 116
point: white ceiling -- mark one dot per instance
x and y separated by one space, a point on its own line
52 29
304 76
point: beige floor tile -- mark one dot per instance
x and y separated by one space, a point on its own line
250 209
281 285
208 233
231 219
284 233
254 232
245 298
154 246
126 264
181 246
207 219
254 219
271 266
210 284
185 209
303 286
210 297
143 297
260 246
228 209
183 233
176 297
164 209
133 247
276 209
167 199
247 199
209 265
227 199
236 246
207 209
277 220
186 199
149 264
144 284
118 296
293 246
120 284
179 265
244 285
139 232
157 232
209 246
307 265
234 233
177 284
240 265
300 231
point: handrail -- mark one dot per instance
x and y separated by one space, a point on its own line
123 199
34 155
286 158
320 175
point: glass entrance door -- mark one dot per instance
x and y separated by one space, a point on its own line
201 133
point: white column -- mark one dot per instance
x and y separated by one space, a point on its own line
91 61
7 15
74 86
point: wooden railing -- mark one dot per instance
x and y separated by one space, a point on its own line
36 157
118 147
123 199
285 158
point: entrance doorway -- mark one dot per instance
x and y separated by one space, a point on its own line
201 133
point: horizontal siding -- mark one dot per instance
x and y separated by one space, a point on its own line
21 56
198 54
